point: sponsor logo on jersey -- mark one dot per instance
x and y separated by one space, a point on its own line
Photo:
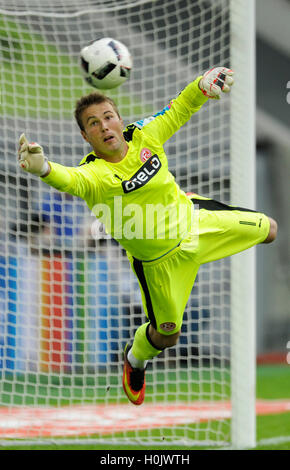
145 154
143 175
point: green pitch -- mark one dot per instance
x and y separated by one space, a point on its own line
272 383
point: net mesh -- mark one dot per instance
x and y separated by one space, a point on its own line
69 301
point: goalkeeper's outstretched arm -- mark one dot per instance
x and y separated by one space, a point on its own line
210 85
81 181
75 181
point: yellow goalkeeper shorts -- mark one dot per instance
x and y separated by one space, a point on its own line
218 231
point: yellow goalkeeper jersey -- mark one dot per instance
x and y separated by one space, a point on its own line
137 199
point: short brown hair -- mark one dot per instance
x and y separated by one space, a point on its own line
93 98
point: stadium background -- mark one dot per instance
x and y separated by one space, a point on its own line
273 170
273 165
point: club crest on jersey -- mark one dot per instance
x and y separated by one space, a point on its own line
167 326
145 154
143 175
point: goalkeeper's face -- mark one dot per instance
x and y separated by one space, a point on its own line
103 130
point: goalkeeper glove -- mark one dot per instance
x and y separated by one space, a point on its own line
31 157
215 81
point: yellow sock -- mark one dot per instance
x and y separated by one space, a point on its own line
142 348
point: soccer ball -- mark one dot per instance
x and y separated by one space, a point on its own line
105 63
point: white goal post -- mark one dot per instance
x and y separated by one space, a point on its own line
243 188
68 300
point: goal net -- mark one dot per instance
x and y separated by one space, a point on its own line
68 300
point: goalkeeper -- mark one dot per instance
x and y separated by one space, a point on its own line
127 173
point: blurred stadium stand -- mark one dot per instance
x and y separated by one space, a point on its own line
273 171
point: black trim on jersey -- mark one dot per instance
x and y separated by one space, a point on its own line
138 267
90 158
128 132
213 205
